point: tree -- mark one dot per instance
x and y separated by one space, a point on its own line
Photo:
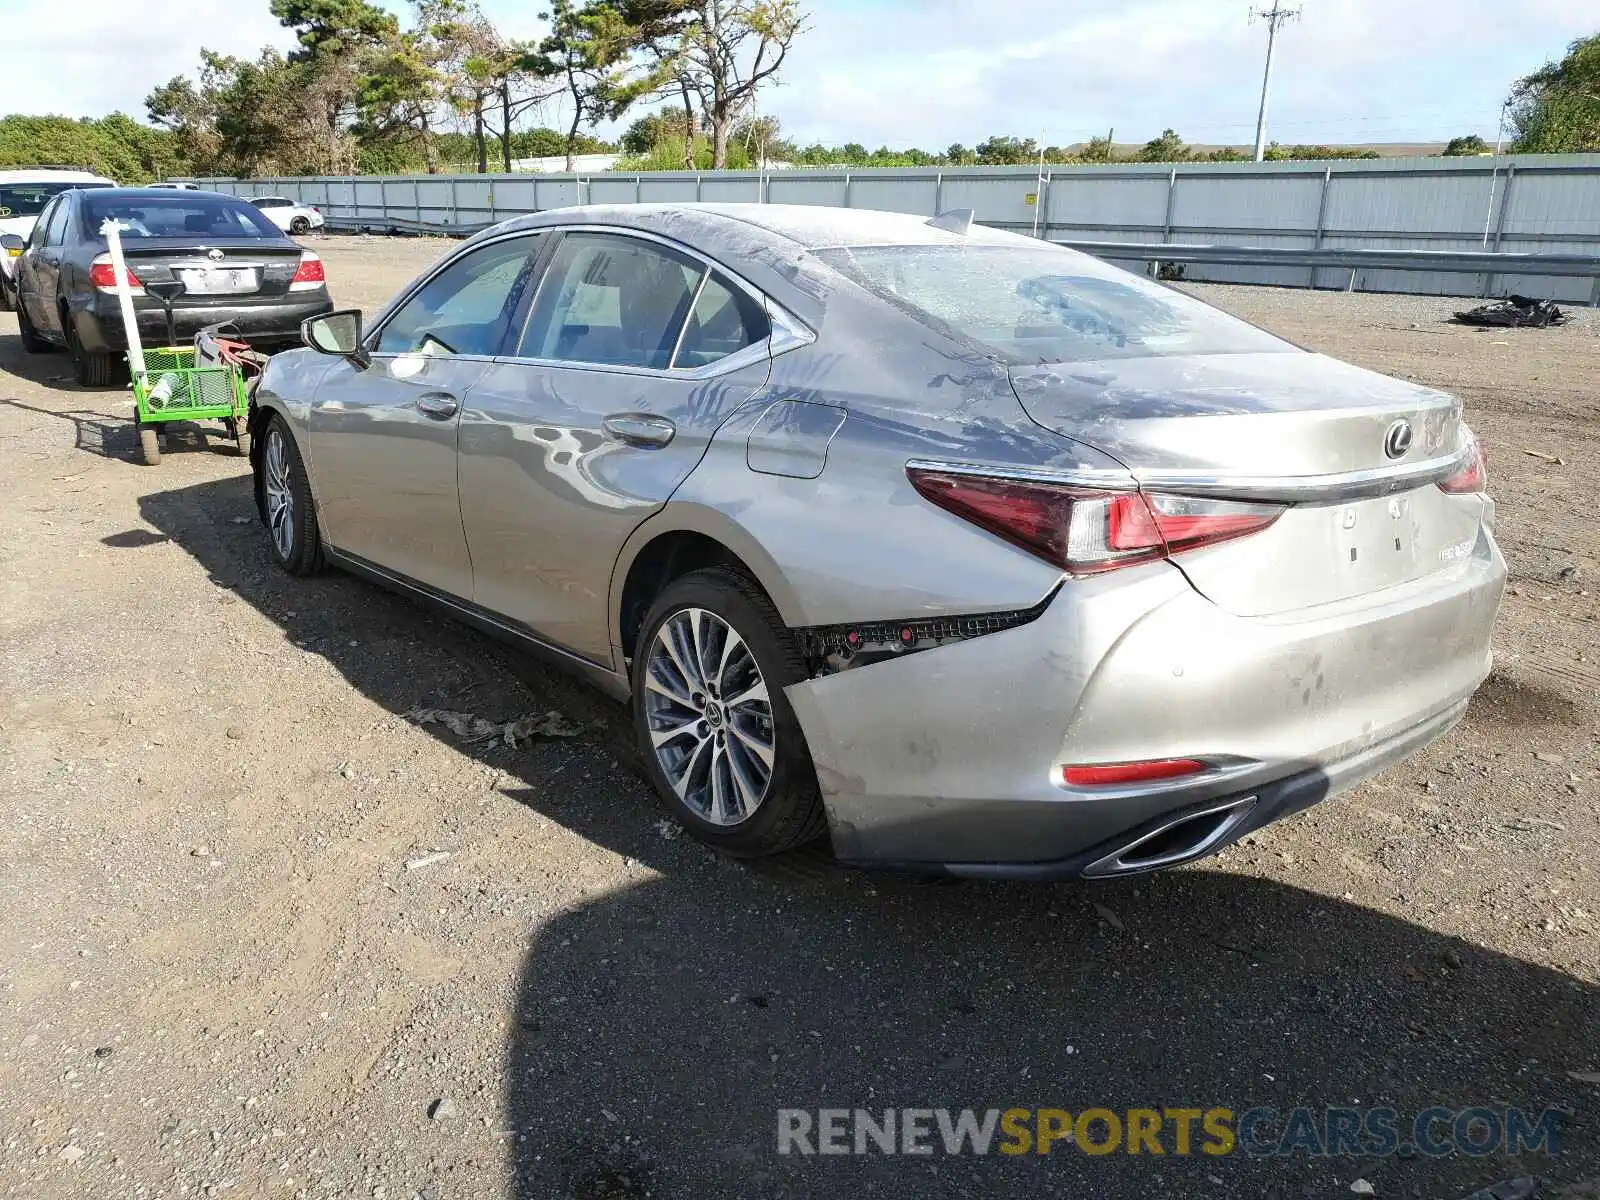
595 51
726 51
1556 110
958 155
1098 149
1001 151
1469 144
1168 147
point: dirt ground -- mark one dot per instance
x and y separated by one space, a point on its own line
265 932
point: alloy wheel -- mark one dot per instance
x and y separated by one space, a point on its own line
709 716
280 496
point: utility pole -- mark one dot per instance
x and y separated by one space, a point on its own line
1274 16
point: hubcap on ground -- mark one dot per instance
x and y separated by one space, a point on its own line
709 715
280 497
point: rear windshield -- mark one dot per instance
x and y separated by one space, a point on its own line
182 214
29 199
1044 304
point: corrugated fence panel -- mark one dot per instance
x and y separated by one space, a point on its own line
1523 204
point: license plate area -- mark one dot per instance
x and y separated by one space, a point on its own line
219 281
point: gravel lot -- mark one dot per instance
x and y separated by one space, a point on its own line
267 933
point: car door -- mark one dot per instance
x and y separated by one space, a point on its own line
634 352
39 268
383 435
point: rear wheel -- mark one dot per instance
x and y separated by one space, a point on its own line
299 226
31 341
92 368
284 497
719 741
149 442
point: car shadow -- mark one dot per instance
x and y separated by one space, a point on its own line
656 1030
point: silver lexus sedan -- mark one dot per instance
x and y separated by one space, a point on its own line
977 554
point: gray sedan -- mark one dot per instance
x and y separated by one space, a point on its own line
975 553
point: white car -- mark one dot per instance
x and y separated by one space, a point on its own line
24 191
288 215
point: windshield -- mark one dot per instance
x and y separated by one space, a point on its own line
181 214
1045 303
29 199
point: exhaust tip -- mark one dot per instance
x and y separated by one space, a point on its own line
1179 840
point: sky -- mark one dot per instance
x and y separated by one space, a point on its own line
932 72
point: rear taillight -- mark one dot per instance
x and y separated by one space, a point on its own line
1474 473
1113 774
103 276
1085 531
309 275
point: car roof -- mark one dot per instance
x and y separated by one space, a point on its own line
154 193
51 175
812 226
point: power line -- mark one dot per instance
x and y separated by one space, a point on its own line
1274 17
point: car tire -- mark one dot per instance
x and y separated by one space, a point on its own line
31 341
283 497
706 768
8 297
299 226
91 368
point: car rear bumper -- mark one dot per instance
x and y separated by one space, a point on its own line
946 759
275 324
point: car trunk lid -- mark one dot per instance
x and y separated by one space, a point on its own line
230 269
1353 456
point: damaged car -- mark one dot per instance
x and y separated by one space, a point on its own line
971 552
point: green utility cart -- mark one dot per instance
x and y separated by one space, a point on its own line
173 388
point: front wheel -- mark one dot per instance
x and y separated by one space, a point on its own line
8 296
149 443
718 738
284 497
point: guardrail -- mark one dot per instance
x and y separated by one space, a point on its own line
1488 263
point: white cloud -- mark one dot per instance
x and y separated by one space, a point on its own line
91 57
931 72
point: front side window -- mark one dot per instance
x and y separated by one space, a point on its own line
1044 304
41 227
610 300
178 215
467 307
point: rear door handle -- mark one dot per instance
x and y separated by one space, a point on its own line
439 405
644 430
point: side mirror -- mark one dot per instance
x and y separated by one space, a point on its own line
12 244
336 333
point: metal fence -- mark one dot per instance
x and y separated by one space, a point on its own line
1523 205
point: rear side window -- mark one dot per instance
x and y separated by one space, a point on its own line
611 301
178 215
722 321
271 202
1045 303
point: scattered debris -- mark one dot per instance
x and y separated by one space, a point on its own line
668 831
472 728
1549 458
427 860
1584 1076
1514 312
1524 1187
1362 1188
1109 917
443 1109
71 1154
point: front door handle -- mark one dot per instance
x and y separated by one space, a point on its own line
438 405
644 430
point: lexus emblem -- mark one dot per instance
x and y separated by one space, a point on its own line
215 255
1398 439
